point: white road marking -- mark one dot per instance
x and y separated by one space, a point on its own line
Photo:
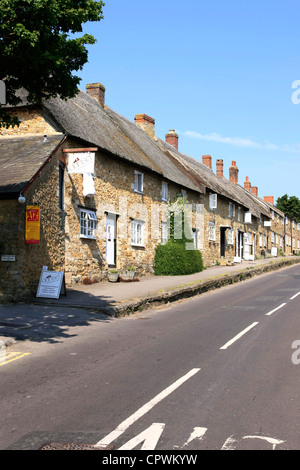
271 440
232 442
197 433
294 296
275 309
229 343
149 437
144 409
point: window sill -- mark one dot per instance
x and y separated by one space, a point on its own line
135 245
86 237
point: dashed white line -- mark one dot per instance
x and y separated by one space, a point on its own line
229 343
275 309
294 296
144 409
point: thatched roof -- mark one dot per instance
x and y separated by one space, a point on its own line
20 160
83 117
215 184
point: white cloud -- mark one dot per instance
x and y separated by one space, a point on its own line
242 142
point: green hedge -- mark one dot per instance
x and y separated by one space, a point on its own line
173 259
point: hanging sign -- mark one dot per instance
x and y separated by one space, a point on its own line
51 285
81 162
32 230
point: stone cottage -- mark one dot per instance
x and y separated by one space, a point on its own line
84 190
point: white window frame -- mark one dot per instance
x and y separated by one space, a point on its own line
213 201
137 232
164 191
230 234
211 231
138 182
195 237
231 210
88 223
248 217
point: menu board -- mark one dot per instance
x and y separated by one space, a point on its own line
51 285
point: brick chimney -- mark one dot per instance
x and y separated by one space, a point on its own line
219 167
254 190
269 199
97 91
172 138
247 184
206 160
233 173
147 123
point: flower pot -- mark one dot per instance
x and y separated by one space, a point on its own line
113 277
128 275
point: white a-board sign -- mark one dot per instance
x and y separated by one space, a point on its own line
51 285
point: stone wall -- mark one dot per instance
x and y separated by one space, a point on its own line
21 277
31 122
114 187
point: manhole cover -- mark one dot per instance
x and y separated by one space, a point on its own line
71 446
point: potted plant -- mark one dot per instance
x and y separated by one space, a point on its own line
113 275
130 272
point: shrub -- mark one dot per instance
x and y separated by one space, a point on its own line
173 259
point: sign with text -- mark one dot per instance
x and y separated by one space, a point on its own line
51 284
81 162
32 231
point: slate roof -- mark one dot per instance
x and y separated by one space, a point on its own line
21 158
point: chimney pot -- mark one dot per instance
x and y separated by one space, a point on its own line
219 166
254 190
247 184
97 91
269 199
147 123
233 173
206 160
172 138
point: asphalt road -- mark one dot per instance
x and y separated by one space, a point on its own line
220 371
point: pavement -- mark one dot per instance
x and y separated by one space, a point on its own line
40 319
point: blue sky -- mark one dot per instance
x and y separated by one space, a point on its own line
220 73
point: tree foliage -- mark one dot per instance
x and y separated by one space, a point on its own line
290 205
39 47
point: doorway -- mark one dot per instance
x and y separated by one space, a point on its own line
111 231
239 247
222 241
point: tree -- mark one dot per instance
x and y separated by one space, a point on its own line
36 51
290 205
178 256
